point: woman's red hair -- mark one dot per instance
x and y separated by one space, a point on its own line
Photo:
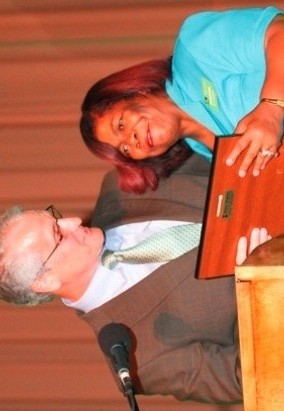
144 78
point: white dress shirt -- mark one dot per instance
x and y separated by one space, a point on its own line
107 284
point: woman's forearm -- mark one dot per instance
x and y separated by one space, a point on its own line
273 87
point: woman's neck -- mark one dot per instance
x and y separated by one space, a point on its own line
197 131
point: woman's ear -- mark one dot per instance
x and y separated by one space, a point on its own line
46 283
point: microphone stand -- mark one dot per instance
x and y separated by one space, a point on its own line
128 392
132 402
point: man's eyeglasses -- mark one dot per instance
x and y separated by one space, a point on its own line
56 215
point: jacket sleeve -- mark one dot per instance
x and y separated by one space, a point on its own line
204 372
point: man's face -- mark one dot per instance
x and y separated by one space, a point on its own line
78 248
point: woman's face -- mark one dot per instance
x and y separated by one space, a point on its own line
143 127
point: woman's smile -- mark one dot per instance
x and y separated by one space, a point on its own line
149 137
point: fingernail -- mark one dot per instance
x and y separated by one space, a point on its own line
229 162
256 173
242 173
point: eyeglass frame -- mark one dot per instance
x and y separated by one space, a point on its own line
57 215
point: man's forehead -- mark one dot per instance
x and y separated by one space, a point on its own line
36 215
25 230
36 212
28 219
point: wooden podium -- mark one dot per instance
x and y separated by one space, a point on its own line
260 300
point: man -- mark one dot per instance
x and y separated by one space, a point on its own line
184 330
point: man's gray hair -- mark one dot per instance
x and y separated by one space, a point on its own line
17 276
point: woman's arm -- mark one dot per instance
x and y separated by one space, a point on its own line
262 128
273 86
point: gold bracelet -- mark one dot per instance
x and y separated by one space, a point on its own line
275 101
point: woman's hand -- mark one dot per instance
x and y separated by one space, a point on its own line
258 236
261 132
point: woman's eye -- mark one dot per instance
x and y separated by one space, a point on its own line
120 125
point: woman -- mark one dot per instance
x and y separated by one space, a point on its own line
226 76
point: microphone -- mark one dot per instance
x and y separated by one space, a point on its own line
115 341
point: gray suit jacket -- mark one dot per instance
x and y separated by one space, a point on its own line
184 330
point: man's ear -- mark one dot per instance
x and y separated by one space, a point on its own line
46 283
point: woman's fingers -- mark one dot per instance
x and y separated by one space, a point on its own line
246 246
241 250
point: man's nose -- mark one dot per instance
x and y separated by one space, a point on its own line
69 224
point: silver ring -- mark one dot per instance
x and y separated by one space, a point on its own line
266 153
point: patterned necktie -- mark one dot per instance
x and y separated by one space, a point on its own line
163 246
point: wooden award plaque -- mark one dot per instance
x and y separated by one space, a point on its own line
235 205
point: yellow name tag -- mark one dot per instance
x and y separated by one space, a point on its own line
209 94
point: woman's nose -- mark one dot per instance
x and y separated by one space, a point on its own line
68 225
134 140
